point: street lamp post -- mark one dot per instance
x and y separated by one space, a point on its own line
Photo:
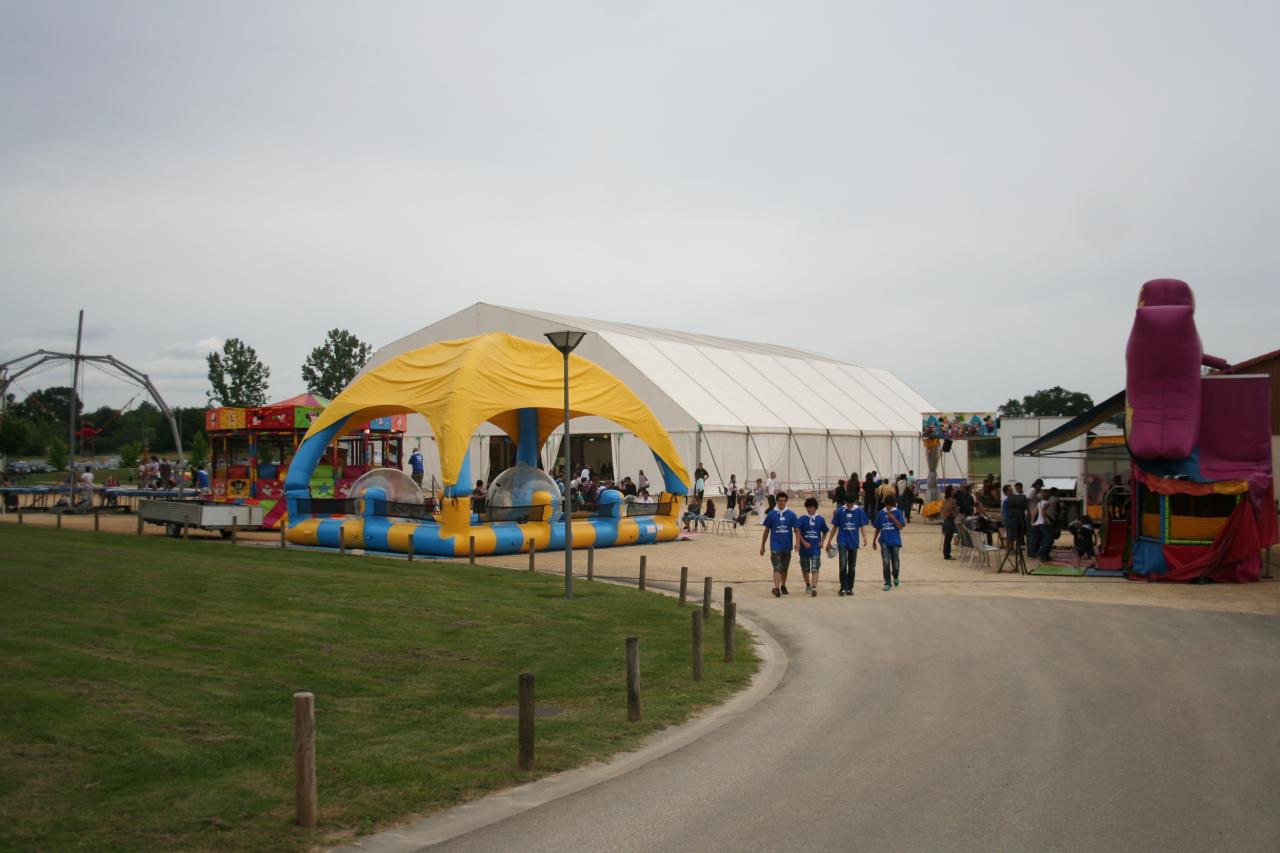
566 342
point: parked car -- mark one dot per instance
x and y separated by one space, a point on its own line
39 467
20 466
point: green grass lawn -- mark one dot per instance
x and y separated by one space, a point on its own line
147 686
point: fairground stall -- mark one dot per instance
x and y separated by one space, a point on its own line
251 450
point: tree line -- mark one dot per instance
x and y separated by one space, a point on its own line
37 425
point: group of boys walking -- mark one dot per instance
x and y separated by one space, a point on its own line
810 534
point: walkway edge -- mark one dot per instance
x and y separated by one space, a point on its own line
459 820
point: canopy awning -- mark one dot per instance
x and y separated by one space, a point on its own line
1077 426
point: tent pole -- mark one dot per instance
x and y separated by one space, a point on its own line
803 463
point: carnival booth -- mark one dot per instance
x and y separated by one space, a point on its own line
251 450
516 385
1200 501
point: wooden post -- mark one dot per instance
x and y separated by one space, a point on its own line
730 623
471 550
284 534
728 596
591 563
697 645
533 549
684 584
20 514
409 551
304 757
643 560
706 597
342 540
525 725
235 529
633 679
186 531
97 521
139 511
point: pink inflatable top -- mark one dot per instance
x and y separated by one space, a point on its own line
1162 384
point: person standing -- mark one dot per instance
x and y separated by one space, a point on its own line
771 490
949 512
837 494
642 484
781 535
848 526
907 495
1037 541
416 466
731 494
869 494
813 529
888 536
1015 517
700 485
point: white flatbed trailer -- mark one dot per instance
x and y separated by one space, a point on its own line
174 515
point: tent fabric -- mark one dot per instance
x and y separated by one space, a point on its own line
460 384
1232 558
307 400
1234 442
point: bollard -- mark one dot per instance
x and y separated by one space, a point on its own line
533 549
19 514
730 623
697 645
706 598
591 563
97 523
471 550
139 521
186 531
235 529
684 584
284 530
304 757
342 540
409 550
59 521
728 596
643 560
525 725
633 679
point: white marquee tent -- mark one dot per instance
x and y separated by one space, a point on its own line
738 407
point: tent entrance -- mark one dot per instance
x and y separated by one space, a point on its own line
592 450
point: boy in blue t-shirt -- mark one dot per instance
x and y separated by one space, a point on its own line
812 528
889 524
848 527
780 535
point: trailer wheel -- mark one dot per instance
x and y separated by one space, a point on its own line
172 529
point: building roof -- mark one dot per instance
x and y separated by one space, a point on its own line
1257 360
692 379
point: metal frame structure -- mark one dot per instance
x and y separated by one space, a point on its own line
14 369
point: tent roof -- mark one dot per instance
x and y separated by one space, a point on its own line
695 379
460 384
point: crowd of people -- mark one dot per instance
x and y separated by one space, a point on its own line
1031 520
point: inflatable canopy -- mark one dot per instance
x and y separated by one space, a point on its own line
518 386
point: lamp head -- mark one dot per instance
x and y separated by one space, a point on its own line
566 341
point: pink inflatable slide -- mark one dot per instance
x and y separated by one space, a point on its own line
1163 378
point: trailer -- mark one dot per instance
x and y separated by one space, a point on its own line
174 515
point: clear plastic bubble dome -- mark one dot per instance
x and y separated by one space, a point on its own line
512 490
398 485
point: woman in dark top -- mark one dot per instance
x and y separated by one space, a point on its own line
838 494
869 494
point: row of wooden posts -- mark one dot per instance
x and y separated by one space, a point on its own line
304 718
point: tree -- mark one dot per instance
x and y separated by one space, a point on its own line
332 365
58 456
49 404
199 453
130 455
14 435
1048 402
236 376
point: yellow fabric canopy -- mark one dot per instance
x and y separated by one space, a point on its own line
459 385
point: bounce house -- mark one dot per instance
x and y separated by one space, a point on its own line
518 386
1202 496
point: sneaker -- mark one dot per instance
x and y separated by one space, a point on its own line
849 591
807 588
887 587
895 581
776 594
784 590
814 592
840 593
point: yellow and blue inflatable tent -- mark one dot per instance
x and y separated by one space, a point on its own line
518 386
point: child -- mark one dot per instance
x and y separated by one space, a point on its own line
848 522
780 534
889 524
1085 535
812 528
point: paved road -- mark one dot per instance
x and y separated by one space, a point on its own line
932 722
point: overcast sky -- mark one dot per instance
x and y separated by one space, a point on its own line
968 193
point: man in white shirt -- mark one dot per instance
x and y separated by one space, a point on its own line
771 489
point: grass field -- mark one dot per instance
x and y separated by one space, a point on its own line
147 686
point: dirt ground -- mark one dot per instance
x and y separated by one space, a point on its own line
736 560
